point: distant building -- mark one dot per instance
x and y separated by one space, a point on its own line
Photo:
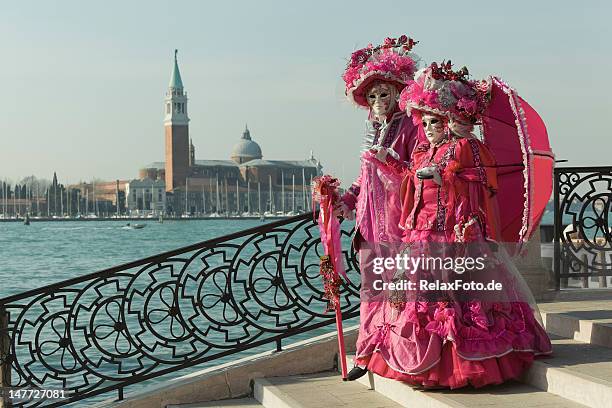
176 124
102 198
146 196
247 183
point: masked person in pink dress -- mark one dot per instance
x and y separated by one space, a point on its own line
374 77
450 337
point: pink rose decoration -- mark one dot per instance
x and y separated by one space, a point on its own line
467 105
443 323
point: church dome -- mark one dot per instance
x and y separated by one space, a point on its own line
246 149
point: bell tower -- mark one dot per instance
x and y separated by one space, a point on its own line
176 124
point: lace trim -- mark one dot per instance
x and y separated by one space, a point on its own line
389 135
477 160
460 232
521 127
410 106
441 210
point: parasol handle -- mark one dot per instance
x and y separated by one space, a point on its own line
341 345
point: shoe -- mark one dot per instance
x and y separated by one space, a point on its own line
355 373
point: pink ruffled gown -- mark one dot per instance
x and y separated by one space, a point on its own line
456 341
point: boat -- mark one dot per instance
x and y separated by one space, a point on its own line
134 226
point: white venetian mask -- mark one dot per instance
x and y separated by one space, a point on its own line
434 127
382 99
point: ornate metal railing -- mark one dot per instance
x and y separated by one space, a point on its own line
104 331
582 200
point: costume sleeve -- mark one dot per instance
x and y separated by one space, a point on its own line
407 190
349 198
412 135
476 169
396 165
409 138
393 168
477 164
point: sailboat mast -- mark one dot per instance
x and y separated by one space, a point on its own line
117 211
218 199
303 190
283 191
237 198
203 201
271 194
293 193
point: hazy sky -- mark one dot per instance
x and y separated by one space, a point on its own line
83 82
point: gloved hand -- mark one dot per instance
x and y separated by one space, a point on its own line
381 153
342 210
431 172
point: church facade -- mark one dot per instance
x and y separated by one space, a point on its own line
244 184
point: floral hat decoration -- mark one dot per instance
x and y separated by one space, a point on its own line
391 61
440 90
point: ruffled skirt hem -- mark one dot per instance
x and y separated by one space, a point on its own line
452 371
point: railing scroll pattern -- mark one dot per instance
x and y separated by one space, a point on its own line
582 234
120 326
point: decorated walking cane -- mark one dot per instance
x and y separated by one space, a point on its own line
325 191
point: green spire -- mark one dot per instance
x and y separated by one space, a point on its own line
175 78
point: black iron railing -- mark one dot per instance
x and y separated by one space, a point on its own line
105 331
582 235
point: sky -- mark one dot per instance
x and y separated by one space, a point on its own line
83 83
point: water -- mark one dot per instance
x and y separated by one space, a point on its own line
48 252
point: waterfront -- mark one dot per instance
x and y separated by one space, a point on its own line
48 252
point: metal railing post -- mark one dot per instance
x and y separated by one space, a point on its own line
584 268
5 351
557 232
602 258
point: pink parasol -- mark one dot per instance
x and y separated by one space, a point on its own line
517 136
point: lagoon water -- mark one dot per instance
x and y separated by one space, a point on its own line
47 252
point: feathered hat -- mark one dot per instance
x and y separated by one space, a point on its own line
391 61
440 90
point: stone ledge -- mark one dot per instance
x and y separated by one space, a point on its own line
576 295
233 379
576 371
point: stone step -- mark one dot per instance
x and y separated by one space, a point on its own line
236 403
509 395
327 390
322 390
576 371
592 326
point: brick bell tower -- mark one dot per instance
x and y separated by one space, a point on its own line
176 123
